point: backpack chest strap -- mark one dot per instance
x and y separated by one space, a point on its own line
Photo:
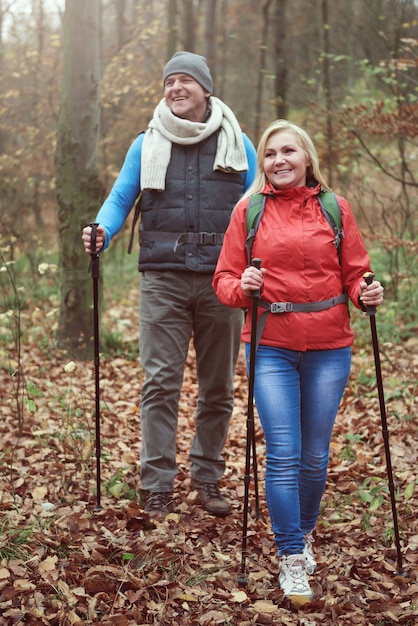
303 307
292 307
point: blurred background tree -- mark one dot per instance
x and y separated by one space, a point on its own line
346 71
79 192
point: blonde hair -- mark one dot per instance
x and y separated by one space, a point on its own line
313 173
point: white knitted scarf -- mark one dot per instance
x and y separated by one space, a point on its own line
166 128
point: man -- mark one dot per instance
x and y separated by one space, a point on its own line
192 165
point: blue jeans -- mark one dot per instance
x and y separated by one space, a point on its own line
297 395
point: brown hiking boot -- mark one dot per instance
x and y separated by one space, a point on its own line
160 503
210 498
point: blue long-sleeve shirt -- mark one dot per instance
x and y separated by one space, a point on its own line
118 204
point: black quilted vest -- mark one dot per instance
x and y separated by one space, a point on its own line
182 227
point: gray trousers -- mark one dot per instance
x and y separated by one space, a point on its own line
174 307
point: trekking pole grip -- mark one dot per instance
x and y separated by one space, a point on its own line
256 263
369 278
94 255
93 237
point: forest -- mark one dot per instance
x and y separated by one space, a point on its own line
78 81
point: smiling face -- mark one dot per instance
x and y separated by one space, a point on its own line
186 97
285 161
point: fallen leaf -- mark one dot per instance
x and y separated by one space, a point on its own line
265 606
39 493
20 584
186 597
239 596
48 564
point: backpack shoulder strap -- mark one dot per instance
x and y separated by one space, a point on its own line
332 212
255 210
331 207
137 211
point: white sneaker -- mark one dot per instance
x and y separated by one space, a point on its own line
293 579
308 554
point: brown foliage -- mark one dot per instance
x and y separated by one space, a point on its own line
65 563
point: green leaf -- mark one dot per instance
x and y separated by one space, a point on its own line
365 496
409 491
116 489
30 405
33 390
376 503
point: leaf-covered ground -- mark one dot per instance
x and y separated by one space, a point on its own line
63 562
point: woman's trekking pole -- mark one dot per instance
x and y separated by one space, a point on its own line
369 277
94 270
251 444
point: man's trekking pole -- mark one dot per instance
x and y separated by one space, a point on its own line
370 311
251 444
94 270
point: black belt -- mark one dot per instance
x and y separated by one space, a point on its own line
203 238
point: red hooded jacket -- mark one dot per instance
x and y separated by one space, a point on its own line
296 245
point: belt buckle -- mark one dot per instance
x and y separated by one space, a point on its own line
207 239
281 307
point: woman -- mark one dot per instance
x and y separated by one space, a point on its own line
303 358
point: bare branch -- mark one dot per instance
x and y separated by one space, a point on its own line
388 173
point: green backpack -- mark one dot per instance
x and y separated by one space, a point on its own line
329 205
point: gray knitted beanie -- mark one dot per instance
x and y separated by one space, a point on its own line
192 64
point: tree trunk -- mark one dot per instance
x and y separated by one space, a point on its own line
210 37
38 10
188 26
2 135
172 28
326 81
223 48
280 91
121 23
262 70
79 191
